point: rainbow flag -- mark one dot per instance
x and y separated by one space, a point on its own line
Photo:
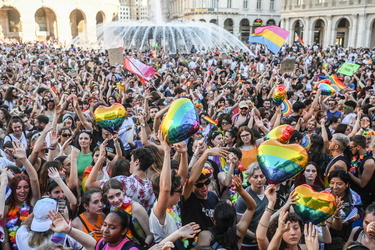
210 120
298 38
144 72
271 36
286 108
335 82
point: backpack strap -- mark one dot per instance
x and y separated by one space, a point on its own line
355 236
84 224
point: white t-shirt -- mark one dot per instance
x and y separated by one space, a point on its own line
160 231
12 138
22 239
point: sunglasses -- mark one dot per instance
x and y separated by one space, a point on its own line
225 123
200 185
352 147
66 135
244 108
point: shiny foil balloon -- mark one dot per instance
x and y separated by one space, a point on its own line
181 121
286 108
313 206
326 88
280 162
279 94
281 133
306 141
110 118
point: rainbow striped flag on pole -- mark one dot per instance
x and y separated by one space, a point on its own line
271 36
298 38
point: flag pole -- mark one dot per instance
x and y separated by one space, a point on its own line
138 71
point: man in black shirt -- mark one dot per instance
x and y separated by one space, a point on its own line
362 171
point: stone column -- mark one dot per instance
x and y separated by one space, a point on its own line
363 32
64 33
307 31
330 32
353 32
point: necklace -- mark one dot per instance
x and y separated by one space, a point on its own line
15 217
356 160
173 211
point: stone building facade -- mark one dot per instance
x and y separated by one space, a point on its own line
240 17
330 22
29 20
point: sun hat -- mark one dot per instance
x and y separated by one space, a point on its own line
41 223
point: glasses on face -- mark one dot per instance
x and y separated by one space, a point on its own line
352 146
331 104
244 108
225 123
200 185
66 135
244 136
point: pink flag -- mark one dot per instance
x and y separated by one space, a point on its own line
138 68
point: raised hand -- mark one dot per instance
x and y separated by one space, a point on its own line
19 150
311 237
189 230
53 173
271 194
163 141
181 147
54 138
74 153
58 222
217 152
283 225
236 183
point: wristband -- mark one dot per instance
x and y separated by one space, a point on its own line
70 229
270 210
51 148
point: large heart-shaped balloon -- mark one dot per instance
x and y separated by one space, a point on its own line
279 94
280 162
281 133
110 118
181 121
326 88
313 206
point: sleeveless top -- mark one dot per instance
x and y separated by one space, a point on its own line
331 164
88 227
367 193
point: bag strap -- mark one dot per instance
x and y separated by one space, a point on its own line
84 224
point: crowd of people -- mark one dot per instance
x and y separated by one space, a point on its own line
67 183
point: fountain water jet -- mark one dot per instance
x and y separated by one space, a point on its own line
176 36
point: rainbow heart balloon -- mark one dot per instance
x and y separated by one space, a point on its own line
286 108
306 141
281 133
313 206
280 162
279 94
326 88
181 121
110 118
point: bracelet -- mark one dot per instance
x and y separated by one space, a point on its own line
263 225
70 229
270 210
51 148
323 225
117 144
196 156
336 217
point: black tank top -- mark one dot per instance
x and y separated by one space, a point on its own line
334 160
